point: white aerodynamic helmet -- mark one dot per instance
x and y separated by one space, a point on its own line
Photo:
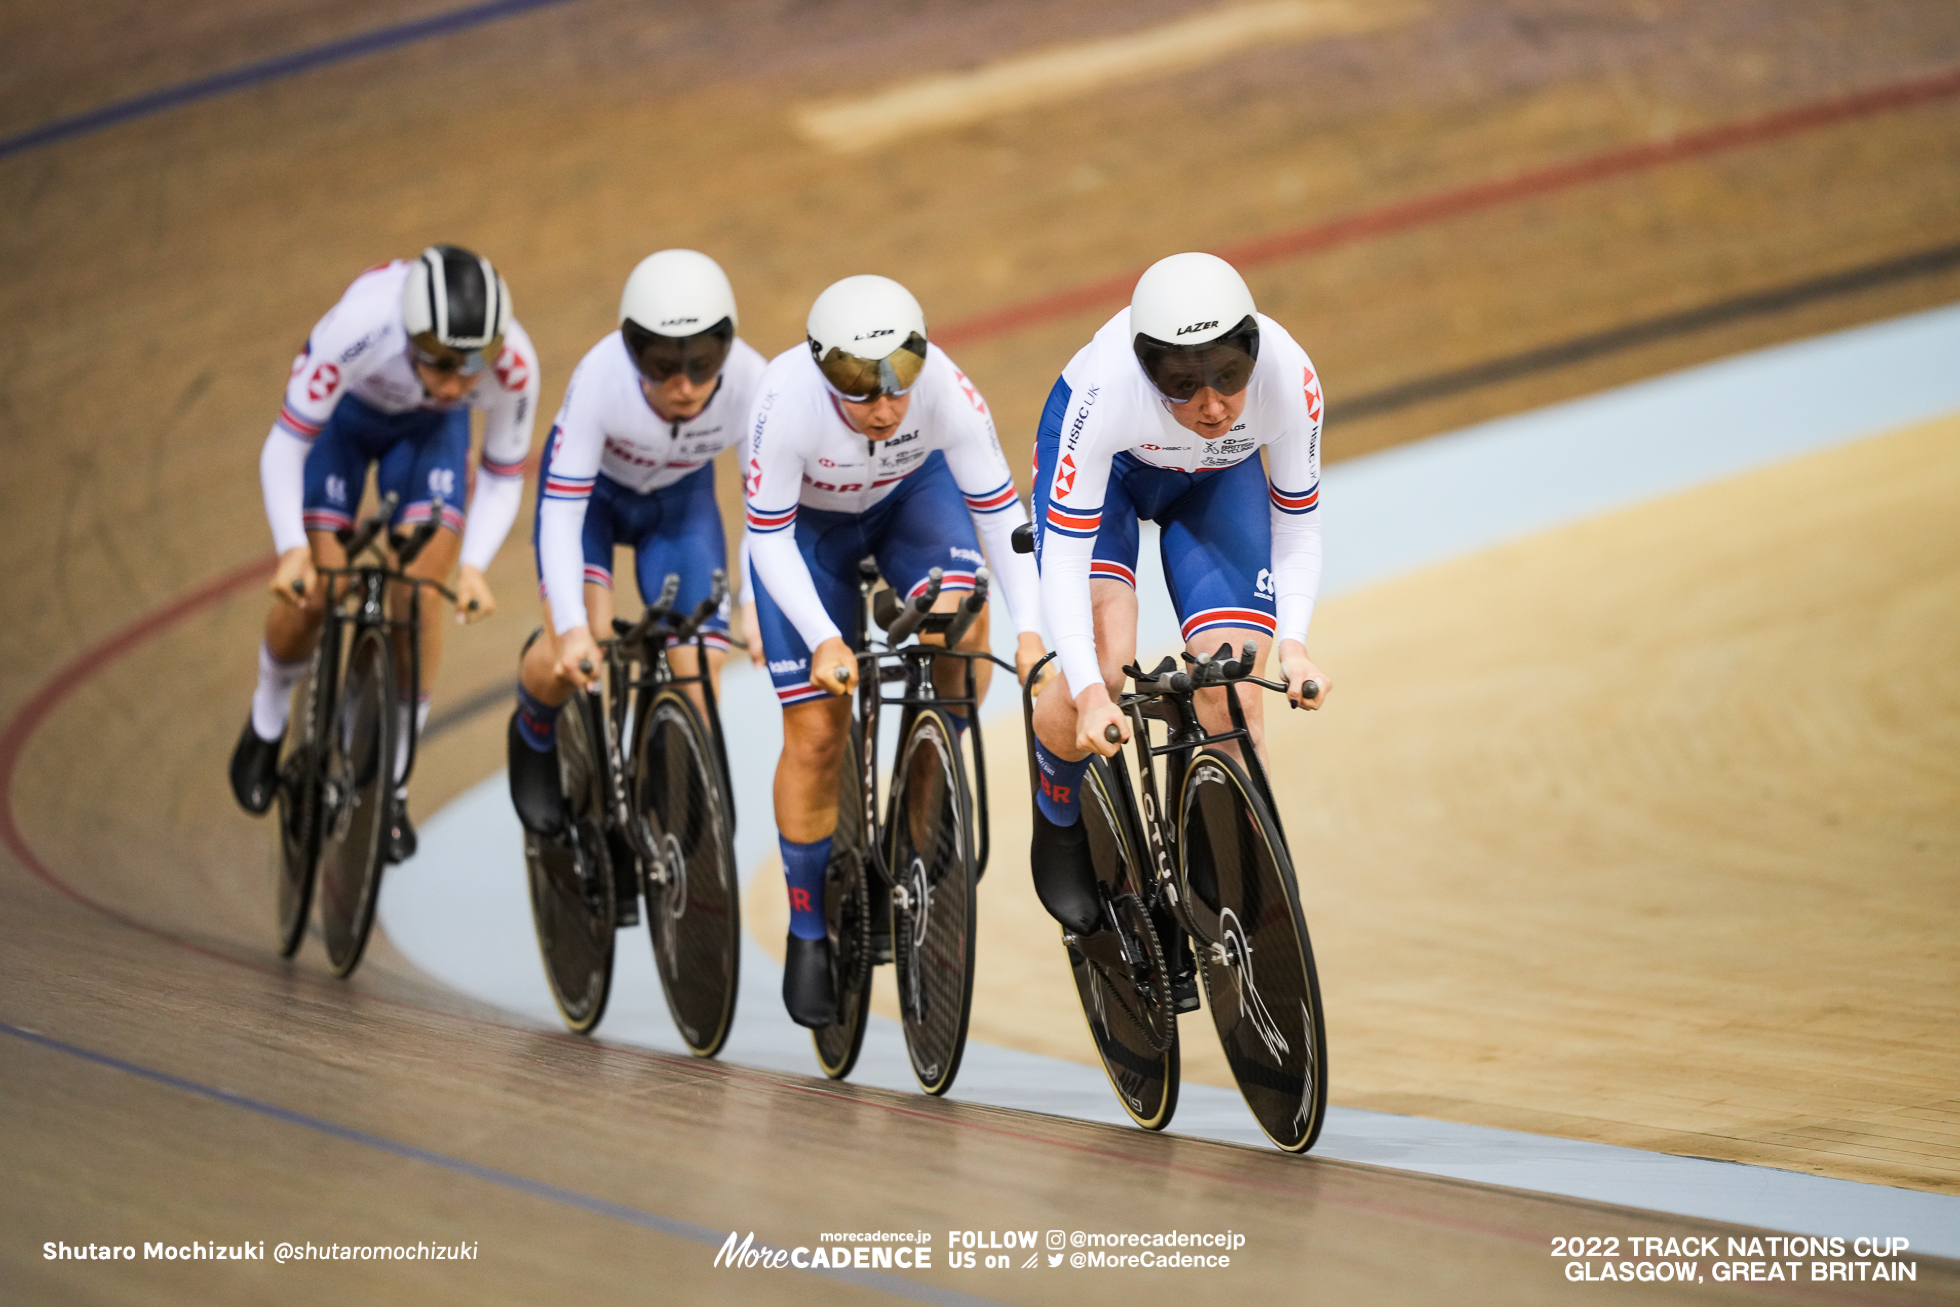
868 336
1195 326
455 308
678 314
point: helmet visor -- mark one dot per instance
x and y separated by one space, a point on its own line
862 380
1181 371
430 352
660 358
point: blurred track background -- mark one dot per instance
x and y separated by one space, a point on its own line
1643 832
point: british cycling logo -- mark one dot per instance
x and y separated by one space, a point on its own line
1264 585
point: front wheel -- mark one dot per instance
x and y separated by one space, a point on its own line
847 921
571 875
1257 960
1120 972
355 794
299 790
933 905
693 898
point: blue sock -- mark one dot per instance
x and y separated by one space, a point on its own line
537 721
959 724
803 868
1060 796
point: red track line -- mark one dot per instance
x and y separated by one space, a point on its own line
70 678
1421 209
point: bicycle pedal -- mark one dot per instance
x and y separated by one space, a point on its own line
1184 992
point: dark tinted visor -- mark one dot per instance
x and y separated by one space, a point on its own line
1181 371
659 357
432 353
863 380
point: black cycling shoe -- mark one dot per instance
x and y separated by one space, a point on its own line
401 833
1064 878
807 989
255 770
534 784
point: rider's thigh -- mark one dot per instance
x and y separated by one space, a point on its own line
1213 713
599 610
438 558
814 733
1114 607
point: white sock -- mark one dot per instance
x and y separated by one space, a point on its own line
272 702
401 732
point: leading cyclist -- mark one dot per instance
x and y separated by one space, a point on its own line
867 441
389 376
630 462
1162 416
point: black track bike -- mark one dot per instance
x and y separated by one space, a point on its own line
337 777
648 806
1197 875
901 889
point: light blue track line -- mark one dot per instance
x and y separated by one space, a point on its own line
897 1286
266 70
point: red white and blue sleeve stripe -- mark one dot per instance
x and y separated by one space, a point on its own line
1082 525
564 487
298 424
765 522
1001 496
1288 502
499 468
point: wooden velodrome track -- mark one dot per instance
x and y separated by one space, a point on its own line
1659 854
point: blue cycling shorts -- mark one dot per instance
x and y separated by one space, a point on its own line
423 453
675 529
922 525
1216 530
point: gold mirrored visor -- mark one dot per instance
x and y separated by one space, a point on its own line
432 353
863 380
1181 371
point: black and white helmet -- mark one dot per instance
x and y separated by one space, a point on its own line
455 308
1194 326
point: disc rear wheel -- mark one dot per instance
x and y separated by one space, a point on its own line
693 897
1259 974
1120 972
847 922
571 875
933 906
355 793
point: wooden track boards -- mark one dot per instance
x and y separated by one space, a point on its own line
160 275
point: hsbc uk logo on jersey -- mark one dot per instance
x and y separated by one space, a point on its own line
1064 476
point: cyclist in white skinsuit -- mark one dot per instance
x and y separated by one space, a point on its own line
1162 416
390 375
629 462
866 441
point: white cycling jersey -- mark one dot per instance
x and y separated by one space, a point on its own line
1114 409
802 450
607 426
361 348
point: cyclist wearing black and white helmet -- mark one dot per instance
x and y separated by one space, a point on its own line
1162 416
864 440
389 377
629 462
